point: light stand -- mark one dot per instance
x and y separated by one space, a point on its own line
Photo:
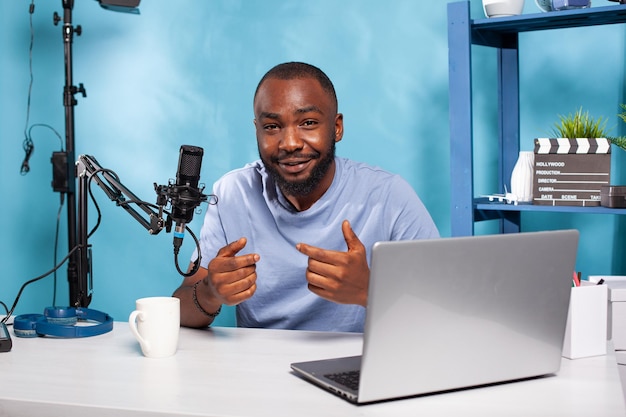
79 296
79 266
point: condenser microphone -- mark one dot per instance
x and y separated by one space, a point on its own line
186 196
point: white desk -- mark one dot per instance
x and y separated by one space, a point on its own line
245 372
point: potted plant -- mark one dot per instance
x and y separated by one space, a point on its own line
572 166
581 125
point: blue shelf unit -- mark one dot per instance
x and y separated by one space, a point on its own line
503 35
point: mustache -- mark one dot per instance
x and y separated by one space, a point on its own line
294 155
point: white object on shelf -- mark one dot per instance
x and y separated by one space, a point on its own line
501 8
522 177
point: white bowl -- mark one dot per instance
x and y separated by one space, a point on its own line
500 8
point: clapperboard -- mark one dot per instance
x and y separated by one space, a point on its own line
571 172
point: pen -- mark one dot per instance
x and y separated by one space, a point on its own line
601 281
576 279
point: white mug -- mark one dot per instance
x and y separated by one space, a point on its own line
156 324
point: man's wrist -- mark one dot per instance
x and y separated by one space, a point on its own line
206 313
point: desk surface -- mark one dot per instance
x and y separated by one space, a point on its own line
245 372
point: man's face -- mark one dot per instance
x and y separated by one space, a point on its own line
297 126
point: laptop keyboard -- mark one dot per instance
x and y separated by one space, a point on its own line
349 379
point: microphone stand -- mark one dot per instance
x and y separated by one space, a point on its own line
181 197
90 170
78 266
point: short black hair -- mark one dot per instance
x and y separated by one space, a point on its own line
294 70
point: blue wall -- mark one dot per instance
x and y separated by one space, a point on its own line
184 72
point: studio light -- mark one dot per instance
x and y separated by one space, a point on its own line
126 6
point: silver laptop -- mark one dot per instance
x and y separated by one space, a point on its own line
454 313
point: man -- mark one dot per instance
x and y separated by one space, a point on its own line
288 242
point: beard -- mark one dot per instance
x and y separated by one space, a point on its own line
306 186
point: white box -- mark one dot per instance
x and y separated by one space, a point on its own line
616 318
617 314
586 331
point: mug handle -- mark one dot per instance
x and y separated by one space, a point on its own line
132 321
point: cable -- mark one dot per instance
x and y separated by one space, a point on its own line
56 248
28 145
196 264
93 199
40 277
30 135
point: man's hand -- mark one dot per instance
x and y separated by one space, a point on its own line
342 277
228 279
232 279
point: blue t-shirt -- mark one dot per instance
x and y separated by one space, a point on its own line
379 206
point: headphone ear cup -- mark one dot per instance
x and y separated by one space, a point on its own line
63 316
25 325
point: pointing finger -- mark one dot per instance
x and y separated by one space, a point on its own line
232 248
350 237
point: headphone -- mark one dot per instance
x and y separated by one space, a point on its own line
61 322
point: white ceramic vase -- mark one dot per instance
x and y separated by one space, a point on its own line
522 177
501 8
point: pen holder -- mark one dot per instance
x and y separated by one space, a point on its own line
585 334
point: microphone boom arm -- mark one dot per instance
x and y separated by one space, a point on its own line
90 170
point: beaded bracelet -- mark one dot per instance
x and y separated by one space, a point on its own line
199 307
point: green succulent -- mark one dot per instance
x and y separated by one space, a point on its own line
581 125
